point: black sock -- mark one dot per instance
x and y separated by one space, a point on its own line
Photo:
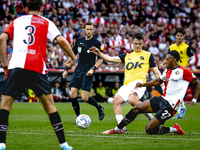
127 119
57 126
3 125
159 130
75 105
93 102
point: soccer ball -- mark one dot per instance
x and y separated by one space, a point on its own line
83 121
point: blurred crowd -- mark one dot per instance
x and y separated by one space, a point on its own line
116 21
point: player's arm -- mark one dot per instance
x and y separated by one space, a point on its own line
157 74
3 39
150 83
196 83
107 58
67 48
97 64
192 57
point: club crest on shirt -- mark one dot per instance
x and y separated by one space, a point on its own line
177 72
141 57
79 49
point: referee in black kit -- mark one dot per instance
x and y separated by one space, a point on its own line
83 74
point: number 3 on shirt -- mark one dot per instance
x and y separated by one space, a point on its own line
31 39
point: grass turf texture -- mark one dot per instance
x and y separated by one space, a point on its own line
30 129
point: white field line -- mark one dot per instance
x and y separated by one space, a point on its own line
109 136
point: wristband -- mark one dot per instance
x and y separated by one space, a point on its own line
66 68
194 100
94 67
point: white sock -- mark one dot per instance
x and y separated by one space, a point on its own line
172 130
3 145
64 144
117 129
182 104
148 115
119 118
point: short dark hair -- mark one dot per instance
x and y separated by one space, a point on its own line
138 36
34 5
88 23
175 54
180 30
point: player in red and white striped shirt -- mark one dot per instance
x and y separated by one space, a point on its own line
177 79
27 68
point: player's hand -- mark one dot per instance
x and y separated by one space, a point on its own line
94 50
5 67
64 74
138 85
90 72
69 63
190 103
160 66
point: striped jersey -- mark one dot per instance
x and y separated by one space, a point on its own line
29 34
137 65
177 81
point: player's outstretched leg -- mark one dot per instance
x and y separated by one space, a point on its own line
126 120
100 108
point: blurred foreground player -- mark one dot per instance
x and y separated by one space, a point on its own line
27 67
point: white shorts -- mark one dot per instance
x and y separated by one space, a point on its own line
125 90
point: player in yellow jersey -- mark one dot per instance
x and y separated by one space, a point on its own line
137 65
187 59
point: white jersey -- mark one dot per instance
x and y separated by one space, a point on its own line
29 34
177 81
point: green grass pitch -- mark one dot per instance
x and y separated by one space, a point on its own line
30 129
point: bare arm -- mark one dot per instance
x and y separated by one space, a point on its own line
157 74
97 64
114 59
196 92
3 39
150 83
67 48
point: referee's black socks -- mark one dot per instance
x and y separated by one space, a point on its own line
93 102
75 105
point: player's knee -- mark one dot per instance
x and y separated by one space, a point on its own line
149 129
133 102
73 95
84 98
116 102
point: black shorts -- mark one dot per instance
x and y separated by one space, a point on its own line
80 80
162 108
18 79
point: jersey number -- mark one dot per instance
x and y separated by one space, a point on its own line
165 115
31 37
130 65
